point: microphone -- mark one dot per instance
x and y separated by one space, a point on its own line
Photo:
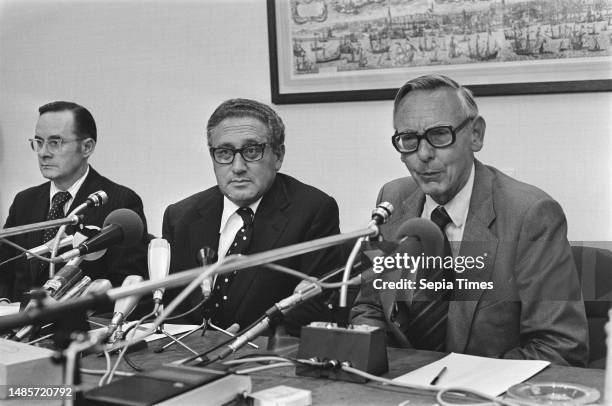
158 258
74 240
274 314
77 289
46 247
124 306
54 288
416 236
206 256
381 214
122 227
63 280
97 199
97 287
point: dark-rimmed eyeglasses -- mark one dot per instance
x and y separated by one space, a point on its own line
250 153
54 144
438 137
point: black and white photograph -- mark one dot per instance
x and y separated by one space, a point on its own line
305 202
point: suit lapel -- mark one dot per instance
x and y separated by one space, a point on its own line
40 209
91 184
269 223
478 240
204 228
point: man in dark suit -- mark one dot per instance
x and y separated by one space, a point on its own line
64 140
523 299
251 209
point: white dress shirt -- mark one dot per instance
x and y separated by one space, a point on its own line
457 208
73 190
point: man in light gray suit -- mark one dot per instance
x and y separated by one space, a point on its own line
520 297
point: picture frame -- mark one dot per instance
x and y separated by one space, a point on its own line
562 51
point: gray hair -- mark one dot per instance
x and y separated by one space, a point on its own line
249 108
433 82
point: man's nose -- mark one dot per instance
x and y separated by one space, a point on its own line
238 165
425 151
43 152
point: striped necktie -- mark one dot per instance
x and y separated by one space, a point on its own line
429 309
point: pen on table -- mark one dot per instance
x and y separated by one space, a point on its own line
437 377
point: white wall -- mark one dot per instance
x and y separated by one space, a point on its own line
151 72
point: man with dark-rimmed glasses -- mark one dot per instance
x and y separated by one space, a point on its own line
505 285
253 208
64 139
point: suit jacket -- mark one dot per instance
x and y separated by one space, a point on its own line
535 308
290 212
32 205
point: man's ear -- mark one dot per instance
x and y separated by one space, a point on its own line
478 131
280 155
88 145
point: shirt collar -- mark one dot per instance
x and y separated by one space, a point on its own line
230 208
73 190
457 208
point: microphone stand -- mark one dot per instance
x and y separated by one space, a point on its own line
174 340
28 228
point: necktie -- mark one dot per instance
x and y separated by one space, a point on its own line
221 291
429 309
55 212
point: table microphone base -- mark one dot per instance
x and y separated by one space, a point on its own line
364 347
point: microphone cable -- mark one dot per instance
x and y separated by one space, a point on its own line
23 250
23 254
221 344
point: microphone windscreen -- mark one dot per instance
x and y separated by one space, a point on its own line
158 259
426 231
130 224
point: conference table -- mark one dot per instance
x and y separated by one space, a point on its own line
324 391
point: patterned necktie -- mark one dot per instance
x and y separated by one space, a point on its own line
55 212
429 309
240 245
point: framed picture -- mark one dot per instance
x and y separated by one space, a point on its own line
346 50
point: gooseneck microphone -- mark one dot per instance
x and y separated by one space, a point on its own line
380 215
122 227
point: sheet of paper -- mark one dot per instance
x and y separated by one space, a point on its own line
487 375
172 329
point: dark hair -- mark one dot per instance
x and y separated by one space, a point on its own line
84 124
433 82
248 108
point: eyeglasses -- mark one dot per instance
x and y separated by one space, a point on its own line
250 153
438 137
54 145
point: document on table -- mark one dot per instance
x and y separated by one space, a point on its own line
487 375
